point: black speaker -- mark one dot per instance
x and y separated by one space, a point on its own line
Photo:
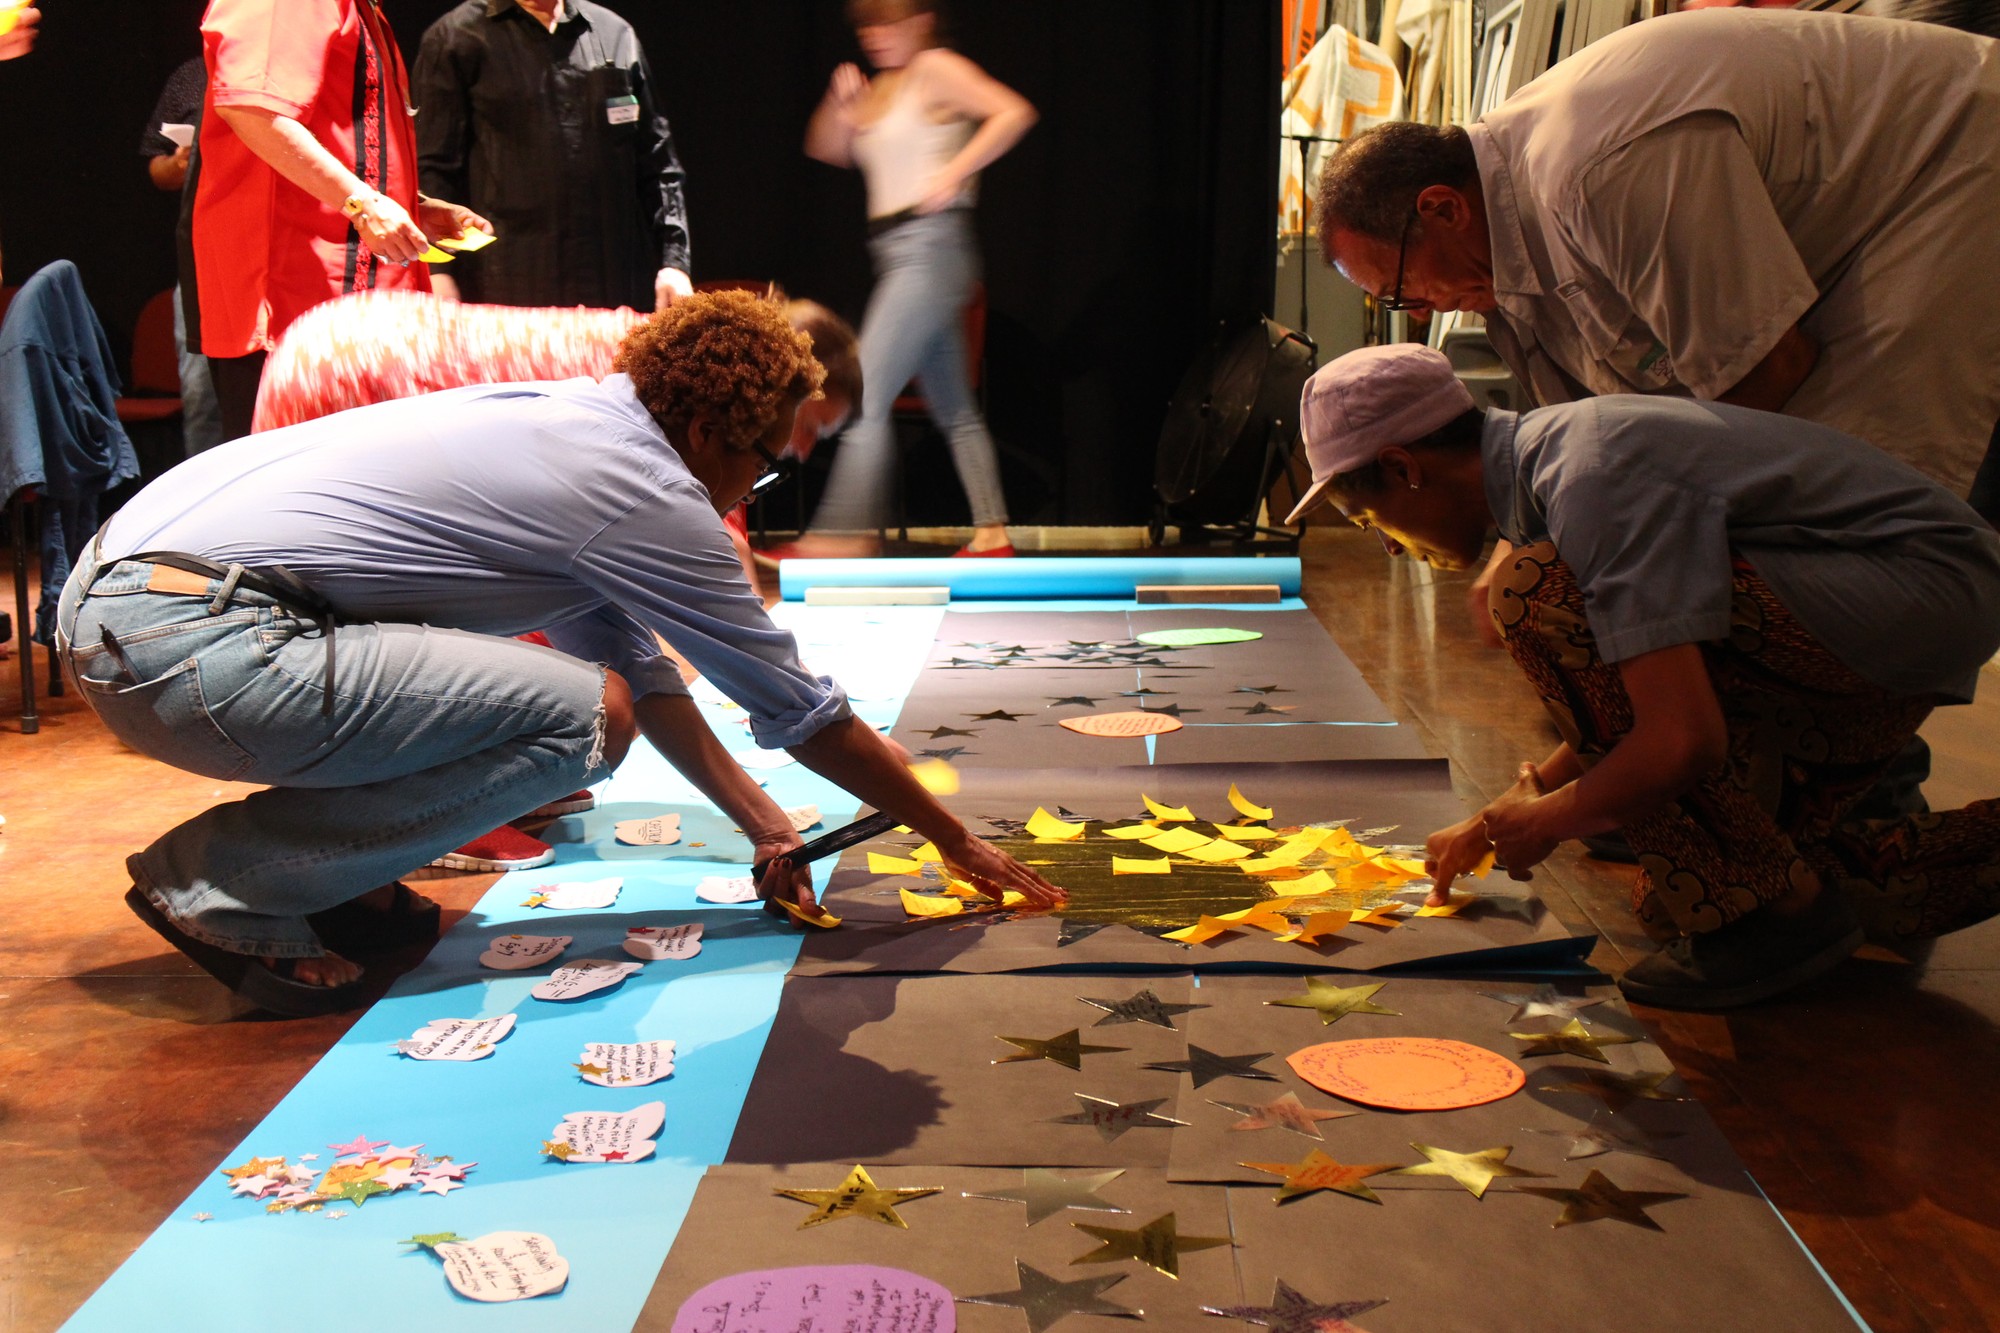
1231 429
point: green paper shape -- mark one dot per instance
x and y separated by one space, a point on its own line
1195 638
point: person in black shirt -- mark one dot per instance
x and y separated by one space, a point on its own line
541 114
167 165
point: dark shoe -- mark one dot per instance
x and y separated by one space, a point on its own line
1758 956
248 977
1611 847
355 930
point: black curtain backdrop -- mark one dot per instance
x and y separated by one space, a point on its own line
1134 217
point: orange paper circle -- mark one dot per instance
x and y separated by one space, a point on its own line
1124 724
1409 1073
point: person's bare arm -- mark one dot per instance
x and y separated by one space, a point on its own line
830 132
955 84
20 39
850 753
1678 735
1772 381
293 153
674 726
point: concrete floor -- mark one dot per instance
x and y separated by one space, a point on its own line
1864 1105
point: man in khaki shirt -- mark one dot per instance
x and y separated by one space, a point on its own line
1797 212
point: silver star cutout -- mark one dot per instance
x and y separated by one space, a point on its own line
1114 1118
1145 1007
1544 1001
1043 1193
1289 1312
1204 1067
1601 1136
1045 1299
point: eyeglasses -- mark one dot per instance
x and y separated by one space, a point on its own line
776 469
1394 300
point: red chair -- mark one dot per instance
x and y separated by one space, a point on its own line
156 366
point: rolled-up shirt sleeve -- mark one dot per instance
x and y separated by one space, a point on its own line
668 563
269 54
610 636
1652 558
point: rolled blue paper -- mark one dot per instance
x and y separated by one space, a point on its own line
1058 577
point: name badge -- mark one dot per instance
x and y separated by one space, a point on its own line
621 110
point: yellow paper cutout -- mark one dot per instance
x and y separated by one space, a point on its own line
1045 825
1140 865
469 241
1246 833
928 854
1201 932
433 255
818 916
1215 853
1486 863
1166 811
1408 865
1009 898
918 904
1305 886
879 864
1385 915
1452 906
1377 871
1264 916
958 888
1317 927
1245 806
1133 832
1177 840
936 777
1282 857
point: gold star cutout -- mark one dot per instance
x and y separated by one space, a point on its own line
1474 1170
557 1149
1317 1171
1046 1300
1043 1193
256 1166
1335 1002
1068 1049
1286 1112
1157 1245
1572 1038
1290 1312
856 1196
535 900
1598 1197
590 1070
1618 1091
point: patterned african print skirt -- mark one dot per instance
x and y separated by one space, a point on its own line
1807 737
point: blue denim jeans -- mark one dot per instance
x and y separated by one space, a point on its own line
915 329
436 736
201 416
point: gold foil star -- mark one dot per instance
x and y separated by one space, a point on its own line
856 1196
1335 1002
535 900
1043 1193
1067 1049
1317 1171
1598 1197
256 1166
1474 1170
1158 1245
1045 1299
557 1149
592 1071
1619 1091
1285 1112
1113 1118
1572 1038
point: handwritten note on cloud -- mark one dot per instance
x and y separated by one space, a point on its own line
625 1064
586 976
456 1038
831 1299
512 953
607 1136
577 895
503 1266
655 943
718 889
659 831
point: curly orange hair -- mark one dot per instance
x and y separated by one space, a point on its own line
729 356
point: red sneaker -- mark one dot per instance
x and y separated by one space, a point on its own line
993 553
573 804
505 848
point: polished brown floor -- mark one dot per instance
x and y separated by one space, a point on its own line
1865 1106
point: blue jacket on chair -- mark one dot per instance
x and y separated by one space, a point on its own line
59 426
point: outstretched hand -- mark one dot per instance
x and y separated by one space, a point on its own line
995 874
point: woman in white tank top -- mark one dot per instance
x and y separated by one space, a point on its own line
920 131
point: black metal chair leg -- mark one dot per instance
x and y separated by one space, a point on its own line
23 633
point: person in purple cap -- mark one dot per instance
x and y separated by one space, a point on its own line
1736 620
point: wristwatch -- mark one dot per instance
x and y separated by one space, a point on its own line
354 203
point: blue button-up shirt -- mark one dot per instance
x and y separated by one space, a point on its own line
1646 498
500 509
